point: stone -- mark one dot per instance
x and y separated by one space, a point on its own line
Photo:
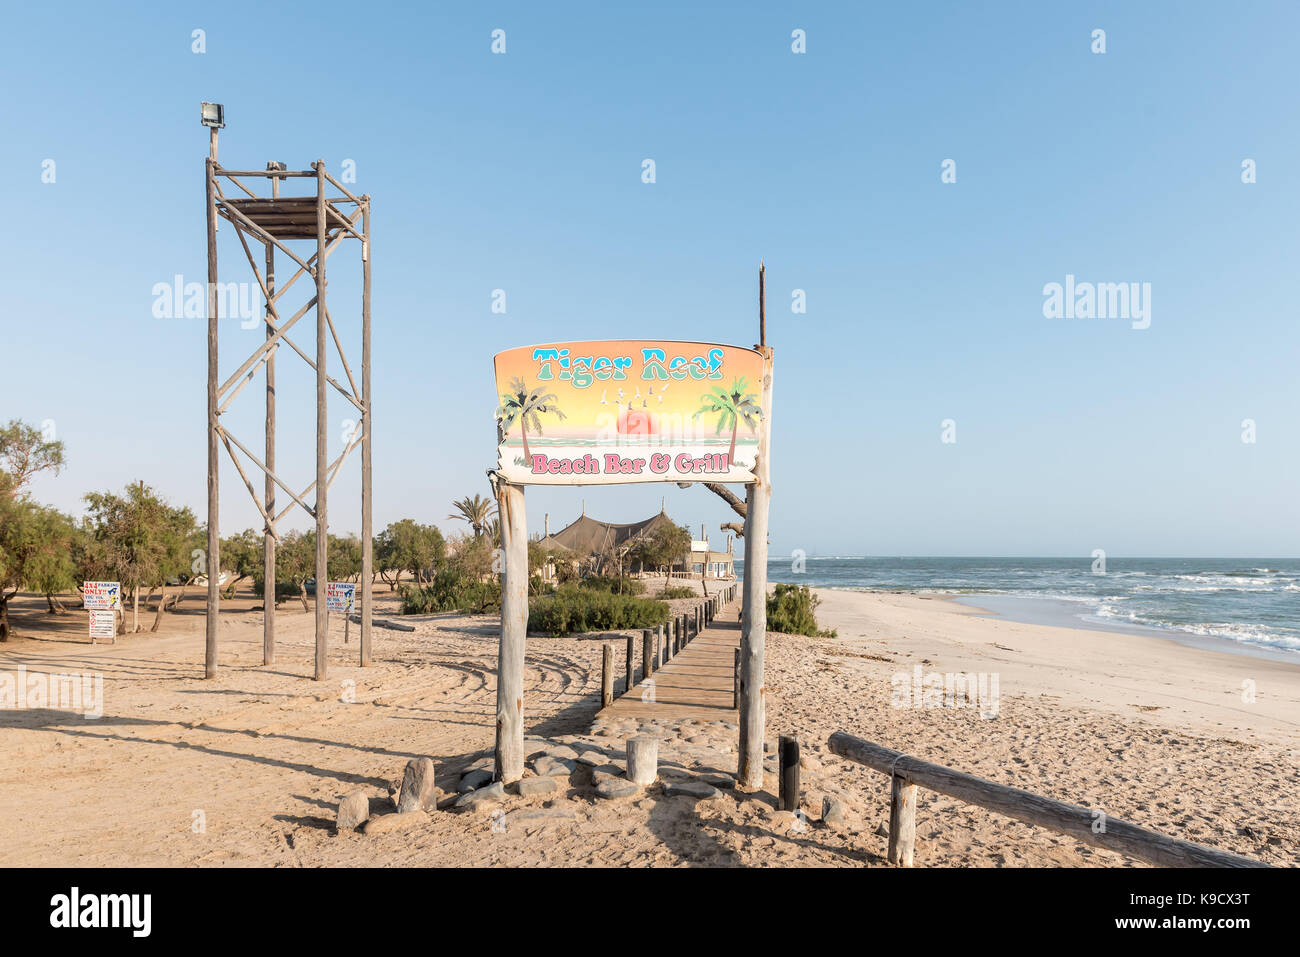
642 759
532 786
473 780
697 739
561 751
718 779
417 786
832 811
882 830
606 773
394 822
548 766
354 810
492 794
592 759
809 763
615 788
693 789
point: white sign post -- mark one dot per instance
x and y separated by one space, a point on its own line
103 600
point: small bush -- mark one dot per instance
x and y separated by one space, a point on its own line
791 610
616 586
678 591
451 590
572 609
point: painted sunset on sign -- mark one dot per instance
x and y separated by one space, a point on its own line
630 410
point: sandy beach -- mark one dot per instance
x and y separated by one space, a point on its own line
248 769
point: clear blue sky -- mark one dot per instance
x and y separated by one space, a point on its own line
523 172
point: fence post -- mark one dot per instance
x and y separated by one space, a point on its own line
631 666
606 675
902 821
788 750
647 655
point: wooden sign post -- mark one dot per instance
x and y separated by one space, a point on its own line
753 616
514 629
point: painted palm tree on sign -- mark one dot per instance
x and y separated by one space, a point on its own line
732 407
526 406
477 511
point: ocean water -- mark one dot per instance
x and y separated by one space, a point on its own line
1242 604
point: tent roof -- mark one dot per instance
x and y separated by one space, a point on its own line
587 536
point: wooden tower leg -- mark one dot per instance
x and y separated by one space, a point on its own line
213 564
268 539
367 484
322 522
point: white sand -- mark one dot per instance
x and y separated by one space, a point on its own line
1145 729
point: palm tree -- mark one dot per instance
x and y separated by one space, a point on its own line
730 408
526 406
477 511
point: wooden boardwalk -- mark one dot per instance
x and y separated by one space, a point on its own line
696 683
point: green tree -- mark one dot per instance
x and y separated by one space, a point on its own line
344 560
731 408
295 562
663 546
52 565
25 451
477 511
242 555
526 406
407 546
33 540
142 541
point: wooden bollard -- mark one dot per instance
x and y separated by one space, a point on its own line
902 821
642 759
647 655
788 750
606 675
632 666
735 682
659 651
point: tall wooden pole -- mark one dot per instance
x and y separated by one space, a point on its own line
367 474
268 540
322 523
214 531
753 620
514 625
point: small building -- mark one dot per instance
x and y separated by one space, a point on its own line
710 563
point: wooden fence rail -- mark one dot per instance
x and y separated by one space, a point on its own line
1091 827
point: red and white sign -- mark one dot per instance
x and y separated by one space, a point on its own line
101 595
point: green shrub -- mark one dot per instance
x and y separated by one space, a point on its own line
791 610
451 590
572 609
678 591
616 586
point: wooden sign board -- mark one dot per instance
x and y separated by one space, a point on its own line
628 410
